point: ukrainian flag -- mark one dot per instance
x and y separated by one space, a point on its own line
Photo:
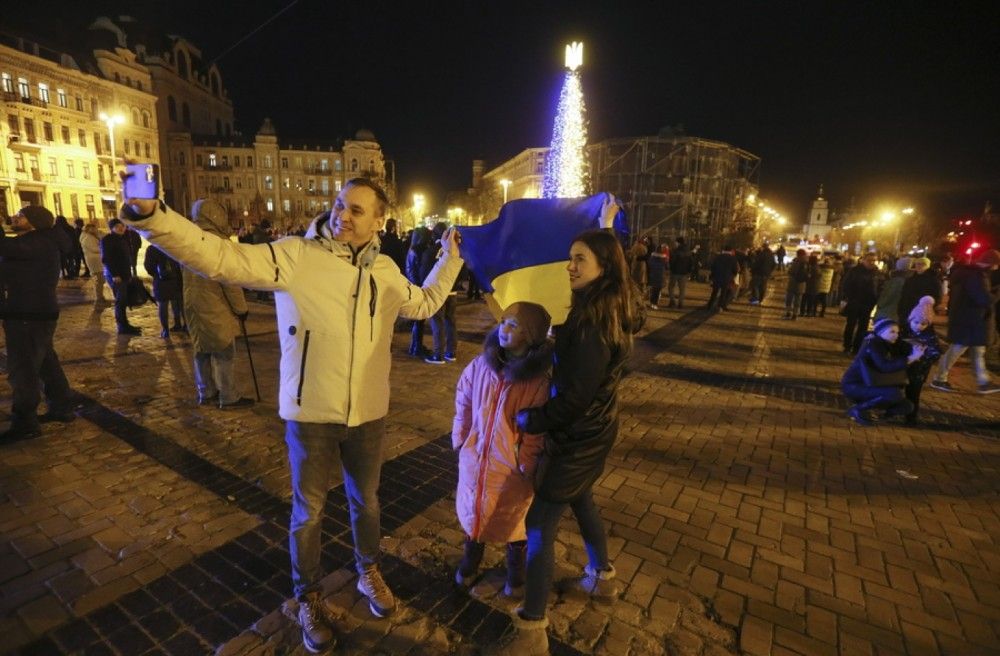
522 254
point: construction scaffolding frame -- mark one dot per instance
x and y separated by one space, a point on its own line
678 186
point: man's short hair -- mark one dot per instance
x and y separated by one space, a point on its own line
380 195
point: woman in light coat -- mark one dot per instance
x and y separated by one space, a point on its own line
90 242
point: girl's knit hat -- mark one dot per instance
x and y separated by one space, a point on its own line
882 324
923 311
533 318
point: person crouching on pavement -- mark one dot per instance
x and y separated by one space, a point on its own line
877 375
919 329
496 461
214 312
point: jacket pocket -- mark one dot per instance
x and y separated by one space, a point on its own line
302 368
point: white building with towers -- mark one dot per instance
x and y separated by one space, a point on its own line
817 225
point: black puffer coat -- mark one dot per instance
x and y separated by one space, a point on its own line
29 271
879 355
970 307
166 275
581 418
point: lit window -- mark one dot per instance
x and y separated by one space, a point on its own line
354 165
211 160
23 87
61 97
53 166
8 83
225 160
267 161
268 182
324 164
284 162
19 162
70 170
337 165
82 136
86 171
43 92
286 205
286 183
270 204
67 139
336 185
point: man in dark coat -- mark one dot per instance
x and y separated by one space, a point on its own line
681 264
970 321
760 272
724 269
30 267
393 246
116 256
860 293
923 282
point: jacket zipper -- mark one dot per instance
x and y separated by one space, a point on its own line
302 369
350 364
481 484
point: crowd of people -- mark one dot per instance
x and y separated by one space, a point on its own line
536 412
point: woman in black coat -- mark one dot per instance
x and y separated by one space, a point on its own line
581 423
880 356
420 241
167 288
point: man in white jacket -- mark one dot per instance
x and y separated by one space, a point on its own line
337 299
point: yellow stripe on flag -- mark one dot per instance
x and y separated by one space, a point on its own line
545 284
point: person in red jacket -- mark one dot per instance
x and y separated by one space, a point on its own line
496 461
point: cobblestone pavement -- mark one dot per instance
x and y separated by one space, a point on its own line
745 513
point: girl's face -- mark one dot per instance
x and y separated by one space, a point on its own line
583 267
890 334
513 337
917 326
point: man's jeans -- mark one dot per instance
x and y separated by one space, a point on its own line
541 524
954 352
213 372
313 451
677 281
443 327
758 287
120 290
32 363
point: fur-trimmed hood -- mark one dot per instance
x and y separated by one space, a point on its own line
535 362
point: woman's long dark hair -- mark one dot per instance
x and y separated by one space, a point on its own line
607 301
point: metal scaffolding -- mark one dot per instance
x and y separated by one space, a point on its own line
678 186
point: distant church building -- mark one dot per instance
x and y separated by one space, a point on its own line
816 226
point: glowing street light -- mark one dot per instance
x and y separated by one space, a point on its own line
908 210
505 183
111 122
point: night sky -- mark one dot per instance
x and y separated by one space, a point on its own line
882 102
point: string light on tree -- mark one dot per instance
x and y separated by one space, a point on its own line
566 163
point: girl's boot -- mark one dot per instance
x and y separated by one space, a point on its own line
517 553
469 565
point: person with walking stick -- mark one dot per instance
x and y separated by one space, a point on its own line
215 312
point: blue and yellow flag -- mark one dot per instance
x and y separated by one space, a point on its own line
522 254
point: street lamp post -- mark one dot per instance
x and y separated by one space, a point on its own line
505 183
111 122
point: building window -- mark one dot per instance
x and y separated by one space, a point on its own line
286 183
145 119
324 165
171 109
47 131
86 170
146 150
19 162
8 83
29 130
91 213
15 124
100 175
97 144
61 97
268 182
267 162
67 139
249 162
127 146
251 182
324 184
57 203
181 159
287 206
270 204
43 92
354 165
211 160
135 117
82 136
70 169
24 88
225 161
225 182
186 115
239 182
284 162
79 103
371 166
53 166
337 165
236 161
336 185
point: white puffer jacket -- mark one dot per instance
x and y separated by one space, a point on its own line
335 310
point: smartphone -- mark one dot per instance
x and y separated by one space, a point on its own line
143 181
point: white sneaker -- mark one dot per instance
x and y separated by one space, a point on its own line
381 602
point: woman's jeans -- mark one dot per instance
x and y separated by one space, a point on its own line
313 451
891 399
541 523
954 352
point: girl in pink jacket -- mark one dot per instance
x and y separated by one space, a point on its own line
496 462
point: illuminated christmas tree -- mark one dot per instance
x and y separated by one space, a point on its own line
566 163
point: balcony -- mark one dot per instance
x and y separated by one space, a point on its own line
222 190
218 167
33 175
318 170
